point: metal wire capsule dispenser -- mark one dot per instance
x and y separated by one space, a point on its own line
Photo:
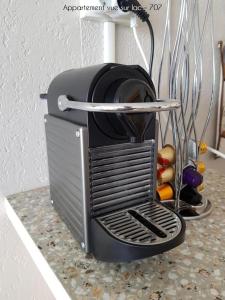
186 83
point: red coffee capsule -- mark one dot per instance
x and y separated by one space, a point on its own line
167 156
165 175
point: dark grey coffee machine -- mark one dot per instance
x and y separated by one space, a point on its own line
101 132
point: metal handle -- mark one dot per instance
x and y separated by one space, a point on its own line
129 108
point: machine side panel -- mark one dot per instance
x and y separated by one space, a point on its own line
67 174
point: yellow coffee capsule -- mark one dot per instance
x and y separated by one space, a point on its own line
201 167
201 188
202 148
165 192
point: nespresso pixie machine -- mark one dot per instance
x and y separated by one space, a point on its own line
101 132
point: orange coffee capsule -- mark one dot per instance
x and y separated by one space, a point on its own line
167 156
165 175
165 192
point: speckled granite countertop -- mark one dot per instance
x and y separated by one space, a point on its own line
195 270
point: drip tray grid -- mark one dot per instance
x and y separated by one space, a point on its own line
146 224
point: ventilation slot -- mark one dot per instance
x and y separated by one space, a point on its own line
121 176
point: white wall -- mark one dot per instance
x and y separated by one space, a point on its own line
40 40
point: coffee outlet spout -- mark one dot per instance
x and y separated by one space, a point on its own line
101 132
134 91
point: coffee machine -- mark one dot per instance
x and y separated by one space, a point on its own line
102 134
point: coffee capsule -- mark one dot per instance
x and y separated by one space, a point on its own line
167 156
223 134
201 167
192 177
190 195
201 188
188 212
202 148
165 175
165 192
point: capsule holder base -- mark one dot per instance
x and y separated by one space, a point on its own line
190 212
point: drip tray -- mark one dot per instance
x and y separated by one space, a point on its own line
146 224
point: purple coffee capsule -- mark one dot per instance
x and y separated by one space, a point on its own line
192 177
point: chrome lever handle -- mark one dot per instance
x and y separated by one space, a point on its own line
128 108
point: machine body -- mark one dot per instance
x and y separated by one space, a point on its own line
102 165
